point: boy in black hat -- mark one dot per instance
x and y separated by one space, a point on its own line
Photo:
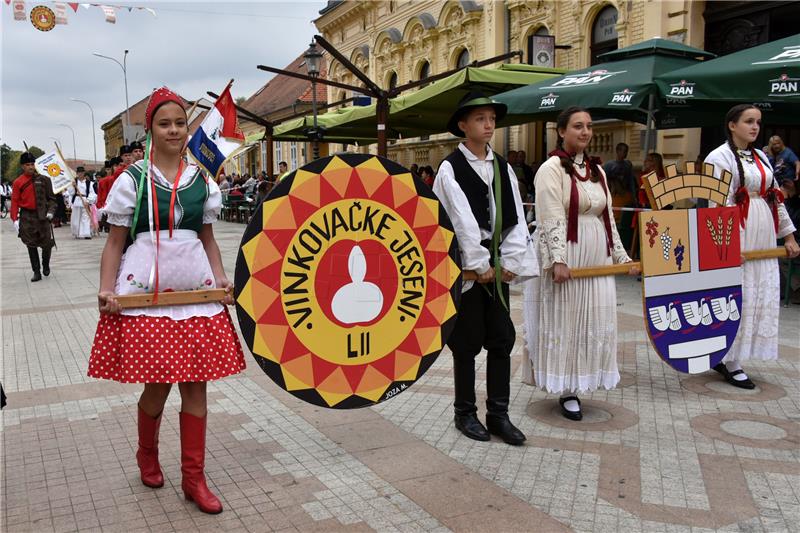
33 205
478 189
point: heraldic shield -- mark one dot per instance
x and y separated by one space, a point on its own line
691 273
348 281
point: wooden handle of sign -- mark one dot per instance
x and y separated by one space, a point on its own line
605 270
586 272
171 298
770 253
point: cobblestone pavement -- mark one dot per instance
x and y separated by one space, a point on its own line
662 452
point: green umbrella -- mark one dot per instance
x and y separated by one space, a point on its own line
767 75
619 88
422 112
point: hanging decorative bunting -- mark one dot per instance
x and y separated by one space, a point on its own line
43 18
19 10
58 14
61 13
111 15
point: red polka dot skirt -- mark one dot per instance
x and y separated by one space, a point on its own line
146 349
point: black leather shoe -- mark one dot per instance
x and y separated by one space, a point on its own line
722 369
471 427
728 375
37 276
46 271
741 383
503 428
572 415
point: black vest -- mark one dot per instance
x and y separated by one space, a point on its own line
86 185
477 192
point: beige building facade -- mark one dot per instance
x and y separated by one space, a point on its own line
396 42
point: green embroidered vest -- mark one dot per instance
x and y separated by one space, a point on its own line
189 202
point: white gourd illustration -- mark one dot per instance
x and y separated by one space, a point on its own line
359 300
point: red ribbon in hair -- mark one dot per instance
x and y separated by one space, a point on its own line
572 215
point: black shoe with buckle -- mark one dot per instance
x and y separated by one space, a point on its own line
741 383
729 377
572 415
503 428
471 427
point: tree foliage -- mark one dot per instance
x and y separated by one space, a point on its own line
10 168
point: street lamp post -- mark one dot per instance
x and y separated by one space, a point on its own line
74 156
94 140
313 58
124 67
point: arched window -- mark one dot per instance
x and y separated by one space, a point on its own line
463 59
393 80
424 70
604 33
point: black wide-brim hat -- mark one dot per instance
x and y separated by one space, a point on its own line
470 101
26 157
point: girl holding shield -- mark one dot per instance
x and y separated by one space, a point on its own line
167 206
763 220
571 329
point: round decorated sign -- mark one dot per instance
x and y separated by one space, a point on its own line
43 18
347 281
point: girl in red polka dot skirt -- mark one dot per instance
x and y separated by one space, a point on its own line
158 346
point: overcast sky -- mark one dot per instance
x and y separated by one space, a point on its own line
192 47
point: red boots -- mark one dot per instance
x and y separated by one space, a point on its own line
193 458
193 454
147 454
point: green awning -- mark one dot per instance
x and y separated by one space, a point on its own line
422 112
620 88
767 75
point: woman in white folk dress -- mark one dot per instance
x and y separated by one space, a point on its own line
763 219
81 220
571 326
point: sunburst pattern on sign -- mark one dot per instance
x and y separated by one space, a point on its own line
347 281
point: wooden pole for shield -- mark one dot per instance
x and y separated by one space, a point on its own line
215 295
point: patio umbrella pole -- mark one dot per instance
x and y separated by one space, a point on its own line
650 124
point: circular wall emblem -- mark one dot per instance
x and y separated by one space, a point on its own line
43 18
347 281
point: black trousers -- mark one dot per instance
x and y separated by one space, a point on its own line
482 322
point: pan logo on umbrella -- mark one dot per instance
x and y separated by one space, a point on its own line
683 89
548 101
790 53
586 78
622 97
784 86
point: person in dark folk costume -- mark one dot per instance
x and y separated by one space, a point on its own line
478 189
33 206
